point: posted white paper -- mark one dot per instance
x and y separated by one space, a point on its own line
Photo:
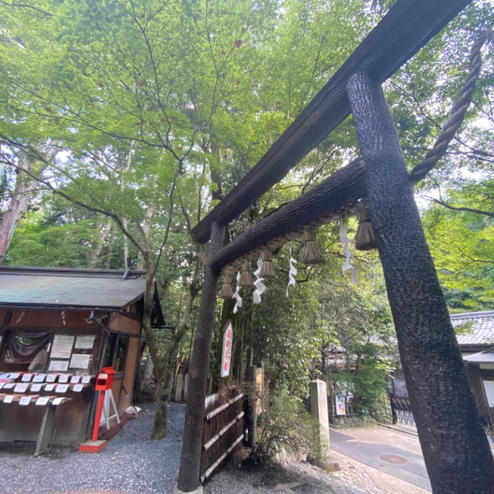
79 361
20 388
85 342
62 346
61 388
58 365
42 400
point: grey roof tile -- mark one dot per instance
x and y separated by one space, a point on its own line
68 290
482 327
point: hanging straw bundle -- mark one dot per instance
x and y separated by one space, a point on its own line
246 279
267 270
226 292
364 238
312 253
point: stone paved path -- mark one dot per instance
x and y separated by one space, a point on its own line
383 456
391 457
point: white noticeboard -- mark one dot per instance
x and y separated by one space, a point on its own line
62 346
226 353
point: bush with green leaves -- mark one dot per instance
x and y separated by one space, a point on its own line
367 386
286 425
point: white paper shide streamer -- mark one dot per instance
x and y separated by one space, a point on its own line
346 250
258 283
292 272
236 295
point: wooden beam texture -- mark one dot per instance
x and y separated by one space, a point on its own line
454 444
342 189
408 26
190 460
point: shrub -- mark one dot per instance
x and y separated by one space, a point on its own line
286 424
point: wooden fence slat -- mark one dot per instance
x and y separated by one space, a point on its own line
223 430
222 427
215 465
210 415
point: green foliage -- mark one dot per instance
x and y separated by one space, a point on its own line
461 244
422 93
361 330
287 334
285 424
35 244
371 380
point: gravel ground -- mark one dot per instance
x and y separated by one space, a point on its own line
133 464
130 464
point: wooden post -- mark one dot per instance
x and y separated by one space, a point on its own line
190 461
179 387
45 431
252 406
454 445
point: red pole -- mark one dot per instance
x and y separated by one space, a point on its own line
97 418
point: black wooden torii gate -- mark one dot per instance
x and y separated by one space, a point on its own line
454 445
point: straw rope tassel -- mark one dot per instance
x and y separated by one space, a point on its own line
364 238
226 292
267 270
246 279
312 253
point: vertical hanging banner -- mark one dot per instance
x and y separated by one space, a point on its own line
340 404
226 353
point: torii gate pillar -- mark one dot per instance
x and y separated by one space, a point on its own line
190 461
455 447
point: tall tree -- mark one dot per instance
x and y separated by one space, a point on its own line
129 90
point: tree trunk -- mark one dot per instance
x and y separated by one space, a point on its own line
104 227
125 169
160 410
18 204
455 447
159 424
165 368
148 373
146 228
125 242
109 256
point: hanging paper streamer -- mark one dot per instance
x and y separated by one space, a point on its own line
236 295
258 283
346 250
292 272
